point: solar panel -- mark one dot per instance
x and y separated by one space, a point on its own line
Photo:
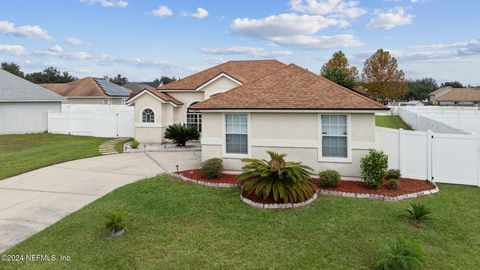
112 89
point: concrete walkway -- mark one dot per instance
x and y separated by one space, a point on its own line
32 201
108 148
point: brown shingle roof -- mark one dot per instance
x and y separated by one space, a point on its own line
243 71
88 87
461 94
291 88
139 87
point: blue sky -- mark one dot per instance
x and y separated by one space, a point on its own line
146 39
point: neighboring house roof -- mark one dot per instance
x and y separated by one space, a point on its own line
138 87
441 91
461 94
291 88
14 88
243 71
88 87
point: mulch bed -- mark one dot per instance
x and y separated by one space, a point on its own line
197 175
406 186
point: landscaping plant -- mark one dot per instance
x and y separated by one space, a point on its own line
181 133
212 168
393 174
114 222
134 144
284 181
373 168
393 183
418 212
400 255
329 178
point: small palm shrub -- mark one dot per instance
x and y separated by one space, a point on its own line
212 168
393 174
181 133
114 221
329 178
134 144
418 212
400 255
284 181
393 183
373 167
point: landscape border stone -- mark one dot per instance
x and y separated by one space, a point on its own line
203 183
278 205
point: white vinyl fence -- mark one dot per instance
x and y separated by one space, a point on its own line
93 120
443 158
423 122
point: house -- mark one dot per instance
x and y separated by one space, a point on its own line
90 90
460 97
24 105
411 103
244 108
432 97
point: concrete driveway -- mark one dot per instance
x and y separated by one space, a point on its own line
33 201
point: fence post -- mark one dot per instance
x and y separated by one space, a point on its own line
401 154
429 155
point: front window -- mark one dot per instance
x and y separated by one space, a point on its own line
334 136
236 133
194 119
148 116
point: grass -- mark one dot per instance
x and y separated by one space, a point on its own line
173 225
119 146
393 121
26 152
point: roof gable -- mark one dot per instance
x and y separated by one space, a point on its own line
291 88
162 97
14 88
242 71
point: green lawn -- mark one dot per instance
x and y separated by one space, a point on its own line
26 152
173 225
393 121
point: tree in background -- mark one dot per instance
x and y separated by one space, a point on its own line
164 80
419 89
50 75
338 70
382 78
13 68
119 79
454 84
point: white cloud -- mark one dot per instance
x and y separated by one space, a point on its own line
283 25
13 49
74 41
162 11
319 42
349 9
390 19
107 3
28 31
58 51
243 50
200 13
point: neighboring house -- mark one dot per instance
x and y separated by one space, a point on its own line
460 97
156 109
411 103
91 90
24 105
432 97
256 106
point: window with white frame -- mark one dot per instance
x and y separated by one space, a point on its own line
334 136
107 101
194 119
148 116
236 133
124 101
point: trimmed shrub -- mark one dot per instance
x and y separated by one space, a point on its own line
134 144
400 255
329 178
393 174
181 133
114 221
212 168
393 183
373 168
285 181
418 212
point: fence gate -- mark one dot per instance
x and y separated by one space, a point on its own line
454 159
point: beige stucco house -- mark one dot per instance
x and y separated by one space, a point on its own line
244 108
